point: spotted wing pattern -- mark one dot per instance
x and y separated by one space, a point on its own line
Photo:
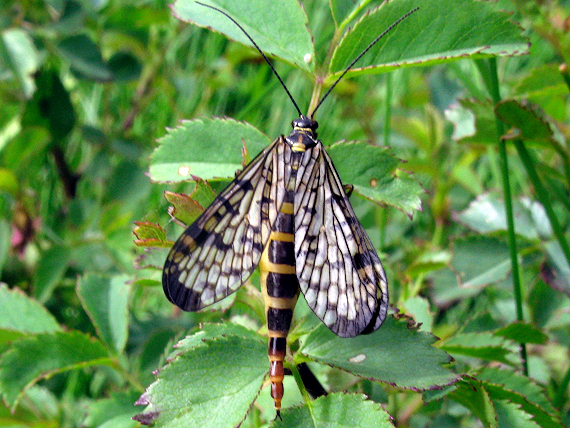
220 250
338 269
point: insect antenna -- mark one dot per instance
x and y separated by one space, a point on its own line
336 81
260 51
360 56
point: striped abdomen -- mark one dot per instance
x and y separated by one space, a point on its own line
280 289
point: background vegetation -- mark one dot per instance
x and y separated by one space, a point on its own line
88 88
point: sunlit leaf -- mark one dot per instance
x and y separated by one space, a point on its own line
50 270
116 411
150 235
523 333
19 53
485 346
486 214
479 261
40 356
373 171
438 32
85 58
518 389
105 299
336 411
209 149
379 355
279 30
209 385
526 119
472 394
23 315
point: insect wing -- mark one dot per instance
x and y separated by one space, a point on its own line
339 272
220 250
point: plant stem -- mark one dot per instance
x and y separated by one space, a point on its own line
303 391
488 70
353 14
387 110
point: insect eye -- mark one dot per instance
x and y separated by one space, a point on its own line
305 122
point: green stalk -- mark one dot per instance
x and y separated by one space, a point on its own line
488 69
387 110
303 391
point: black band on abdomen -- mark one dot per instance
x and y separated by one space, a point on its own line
279 319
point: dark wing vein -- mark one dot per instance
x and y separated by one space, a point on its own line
339 272
220 250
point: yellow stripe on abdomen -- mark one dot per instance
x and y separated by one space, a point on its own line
280 289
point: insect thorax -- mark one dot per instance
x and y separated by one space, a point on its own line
304 135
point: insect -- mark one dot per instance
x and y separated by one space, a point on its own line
286 212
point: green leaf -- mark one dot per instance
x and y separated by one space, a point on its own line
210 385
23 151
105 299
373 171
85 58
473 122
345 10
523 333
508 385
43 402
479 261
380 355
202 193
557 275
419 308
213 331
445 288
438 32
21 315
153 258
279 28
473 395
71 16
527 120
51 267
184 208
336 410
150 235
511 415
486 214
429 262
50 107
485 346
41 356
18 52
113 412
543 81
125 66
209 149
8 182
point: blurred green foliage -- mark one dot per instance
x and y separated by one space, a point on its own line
87 89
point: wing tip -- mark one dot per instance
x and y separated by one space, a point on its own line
380 311
178 294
